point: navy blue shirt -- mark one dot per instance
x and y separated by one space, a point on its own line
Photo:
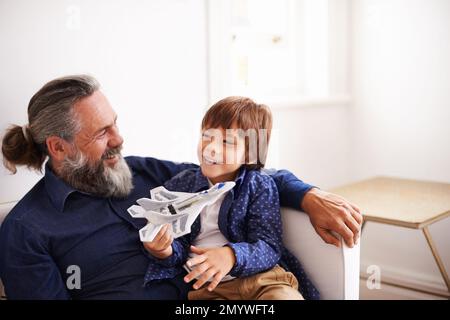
249 218
55 227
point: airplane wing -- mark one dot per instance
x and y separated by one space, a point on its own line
180 209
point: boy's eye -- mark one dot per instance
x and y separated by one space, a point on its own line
229 142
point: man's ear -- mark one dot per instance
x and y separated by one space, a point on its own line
58 148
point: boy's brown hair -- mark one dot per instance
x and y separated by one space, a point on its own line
246 114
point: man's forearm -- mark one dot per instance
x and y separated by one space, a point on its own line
291 189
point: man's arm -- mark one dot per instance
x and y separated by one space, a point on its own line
328 212
26 268
290 188
158 170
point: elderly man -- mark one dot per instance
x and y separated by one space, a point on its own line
74 221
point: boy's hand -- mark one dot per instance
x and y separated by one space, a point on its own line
210 263
161 246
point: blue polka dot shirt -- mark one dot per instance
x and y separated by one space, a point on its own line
250 220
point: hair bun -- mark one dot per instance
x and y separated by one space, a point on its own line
18 148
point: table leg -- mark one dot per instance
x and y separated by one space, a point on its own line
436 256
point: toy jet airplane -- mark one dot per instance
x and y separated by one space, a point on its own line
177 208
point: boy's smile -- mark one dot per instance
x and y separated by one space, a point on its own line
221 154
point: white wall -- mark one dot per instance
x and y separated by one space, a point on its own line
312 142
400 119
150 57
401 88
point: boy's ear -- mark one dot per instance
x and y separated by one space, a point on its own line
57 148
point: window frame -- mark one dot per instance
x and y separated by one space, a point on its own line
337 57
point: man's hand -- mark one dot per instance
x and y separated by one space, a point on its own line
329 212
161 246
210 263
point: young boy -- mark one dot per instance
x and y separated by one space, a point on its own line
235 248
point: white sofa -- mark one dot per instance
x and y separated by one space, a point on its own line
334 271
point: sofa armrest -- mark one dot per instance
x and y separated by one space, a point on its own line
334 271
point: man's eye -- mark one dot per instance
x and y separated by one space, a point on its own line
101 134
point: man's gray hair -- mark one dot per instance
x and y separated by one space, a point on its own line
50 113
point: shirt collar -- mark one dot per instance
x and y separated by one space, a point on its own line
202 183
57 189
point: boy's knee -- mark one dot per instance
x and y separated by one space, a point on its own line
280 292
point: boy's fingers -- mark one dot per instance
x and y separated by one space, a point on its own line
198 270
160 233
167 242
215 281
197 250
167 235
196 260
204 278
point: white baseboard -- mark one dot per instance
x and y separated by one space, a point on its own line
391 292
407 278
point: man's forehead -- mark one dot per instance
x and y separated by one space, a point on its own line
94 111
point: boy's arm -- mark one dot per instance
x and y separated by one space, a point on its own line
263 247
180 250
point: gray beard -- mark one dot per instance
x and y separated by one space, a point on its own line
98 179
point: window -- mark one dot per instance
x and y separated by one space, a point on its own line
277 50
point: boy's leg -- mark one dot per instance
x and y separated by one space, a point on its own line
274 284
228 290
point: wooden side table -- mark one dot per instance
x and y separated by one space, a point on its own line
404 203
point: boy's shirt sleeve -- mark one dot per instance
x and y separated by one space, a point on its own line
180 248
263 249
291 189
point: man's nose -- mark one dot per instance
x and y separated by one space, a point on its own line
115 139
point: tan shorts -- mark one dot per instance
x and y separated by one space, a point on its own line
274 284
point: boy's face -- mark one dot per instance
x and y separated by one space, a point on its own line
221 153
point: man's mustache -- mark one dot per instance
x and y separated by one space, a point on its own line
111 152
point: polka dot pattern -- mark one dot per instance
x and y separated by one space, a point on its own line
249 218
